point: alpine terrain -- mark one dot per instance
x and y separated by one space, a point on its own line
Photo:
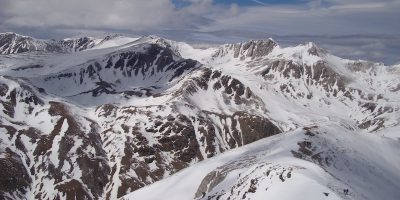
149 118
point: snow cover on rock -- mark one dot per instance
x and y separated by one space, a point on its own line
102 118
327 162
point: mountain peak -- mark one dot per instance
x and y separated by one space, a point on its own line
11 43
250 49
313 49
78 44
13 34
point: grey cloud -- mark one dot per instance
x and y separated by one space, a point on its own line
333 20
321 21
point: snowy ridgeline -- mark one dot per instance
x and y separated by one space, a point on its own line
149 117
328 162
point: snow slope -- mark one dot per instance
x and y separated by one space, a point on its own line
280 167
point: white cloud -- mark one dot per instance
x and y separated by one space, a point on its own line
119 14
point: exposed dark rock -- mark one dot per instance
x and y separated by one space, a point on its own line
10 104
3 89
13 176
73 189
254 127
78 44
252 49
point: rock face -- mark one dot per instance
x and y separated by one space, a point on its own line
11 43
78 44
251 49
101 124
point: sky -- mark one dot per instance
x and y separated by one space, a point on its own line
357 29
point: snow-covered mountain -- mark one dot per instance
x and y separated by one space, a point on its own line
101 118
12 43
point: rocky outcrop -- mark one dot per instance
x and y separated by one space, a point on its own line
11 43
252 49
78 44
